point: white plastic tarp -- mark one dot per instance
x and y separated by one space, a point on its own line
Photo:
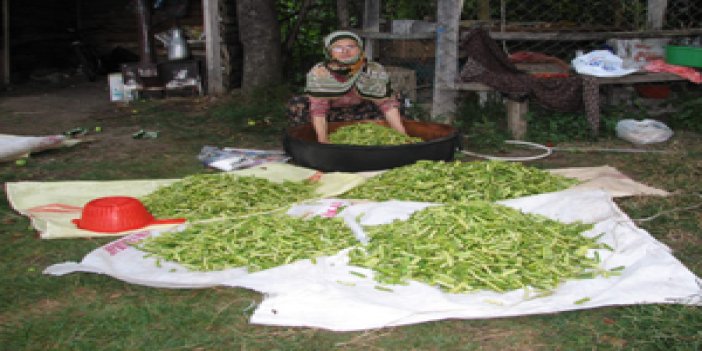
326 295
13 147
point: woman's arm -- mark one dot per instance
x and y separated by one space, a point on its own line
319 123
395 120
391 110
319 108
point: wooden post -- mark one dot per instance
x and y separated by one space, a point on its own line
213 42
516 121
145 29
6 42
656 13
342 11
483 16
371 23
448 14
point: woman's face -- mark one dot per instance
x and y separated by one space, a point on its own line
344 49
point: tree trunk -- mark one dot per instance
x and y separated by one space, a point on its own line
342 12
292 36
259 33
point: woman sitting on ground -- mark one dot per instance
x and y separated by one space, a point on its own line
346 86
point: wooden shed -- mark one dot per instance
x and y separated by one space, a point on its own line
37 36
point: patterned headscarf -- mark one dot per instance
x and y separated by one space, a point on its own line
338 35
345 68
368 77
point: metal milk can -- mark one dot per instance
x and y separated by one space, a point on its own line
178 46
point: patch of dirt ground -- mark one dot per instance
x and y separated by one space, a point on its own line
39 109
44 109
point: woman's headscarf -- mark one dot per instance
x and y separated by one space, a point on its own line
347 68
369 78
332 37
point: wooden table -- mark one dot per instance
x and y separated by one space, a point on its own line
516 111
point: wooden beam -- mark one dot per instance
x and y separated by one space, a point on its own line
446 64
213 42
6 42
544 36
648 77
587 36
371 23
473 86
396 36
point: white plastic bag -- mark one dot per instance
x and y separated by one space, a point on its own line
601 63
646 131
230 159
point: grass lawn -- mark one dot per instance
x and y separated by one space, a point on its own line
93 312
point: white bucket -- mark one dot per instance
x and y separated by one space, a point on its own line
116 87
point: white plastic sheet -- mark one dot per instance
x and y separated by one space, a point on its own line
13 147
326 295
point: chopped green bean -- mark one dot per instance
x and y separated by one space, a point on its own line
494 248
256 242
582 301
369 133
358 274
439 181
382 288
465 245
207 196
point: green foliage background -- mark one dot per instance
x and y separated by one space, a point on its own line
322 19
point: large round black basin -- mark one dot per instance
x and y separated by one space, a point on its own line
440 143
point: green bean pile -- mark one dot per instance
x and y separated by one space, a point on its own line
207 196
462 246
368 133
478 245
256 242
439 181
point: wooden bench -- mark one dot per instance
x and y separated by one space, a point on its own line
516 111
